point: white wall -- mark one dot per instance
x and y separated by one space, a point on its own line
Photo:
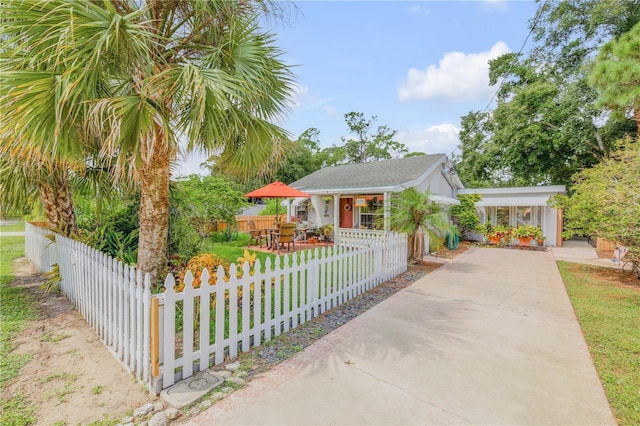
522 197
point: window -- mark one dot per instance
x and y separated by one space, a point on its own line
502 216
368 215
515 216
523 216
302 211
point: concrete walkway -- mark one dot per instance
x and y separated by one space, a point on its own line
489 338
580 251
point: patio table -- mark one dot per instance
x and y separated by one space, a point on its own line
272 232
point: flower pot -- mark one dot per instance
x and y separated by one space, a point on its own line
494 240
524 241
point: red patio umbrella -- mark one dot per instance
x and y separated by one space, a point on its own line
276 190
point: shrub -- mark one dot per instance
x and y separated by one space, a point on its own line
197 263
465 215
184 240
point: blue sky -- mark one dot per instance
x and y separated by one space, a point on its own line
418 66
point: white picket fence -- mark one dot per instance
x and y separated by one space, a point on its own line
113 298
172 342
248 308
356 237
40 251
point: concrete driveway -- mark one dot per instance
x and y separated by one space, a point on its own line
489 338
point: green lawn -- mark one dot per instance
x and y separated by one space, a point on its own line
16 312
14 227
235 248
607 304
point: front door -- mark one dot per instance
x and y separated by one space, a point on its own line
346 212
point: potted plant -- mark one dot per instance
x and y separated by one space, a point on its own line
539 237
498 233
524 234
328 232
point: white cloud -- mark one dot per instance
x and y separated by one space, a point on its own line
500 5
300 92
304 100
458 77
439 139
331 111
418 9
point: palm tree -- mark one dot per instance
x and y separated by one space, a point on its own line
140 76
27 172
413 213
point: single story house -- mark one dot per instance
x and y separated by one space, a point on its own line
348 196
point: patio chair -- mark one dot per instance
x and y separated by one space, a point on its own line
256 234
285 236
301 233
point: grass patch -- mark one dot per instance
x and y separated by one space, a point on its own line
60 376
16 310
607 304
14 227
234 249
107 420
61 393
17 411
97 390
53 338
16 313
68 386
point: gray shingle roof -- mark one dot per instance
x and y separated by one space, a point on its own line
374 175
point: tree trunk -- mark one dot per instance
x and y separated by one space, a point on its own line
417 245
57 201
154 210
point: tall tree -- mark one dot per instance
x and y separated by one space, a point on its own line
548 124
476 162
616 74
207 200
139 75
568 32
302 158
366 145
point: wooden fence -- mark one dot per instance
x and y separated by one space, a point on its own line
249 306
261 222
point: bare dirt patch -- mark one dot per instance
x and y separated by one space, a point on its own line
450 254
612 276
72 377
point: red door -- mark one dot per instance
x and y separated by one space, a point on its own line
346 212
